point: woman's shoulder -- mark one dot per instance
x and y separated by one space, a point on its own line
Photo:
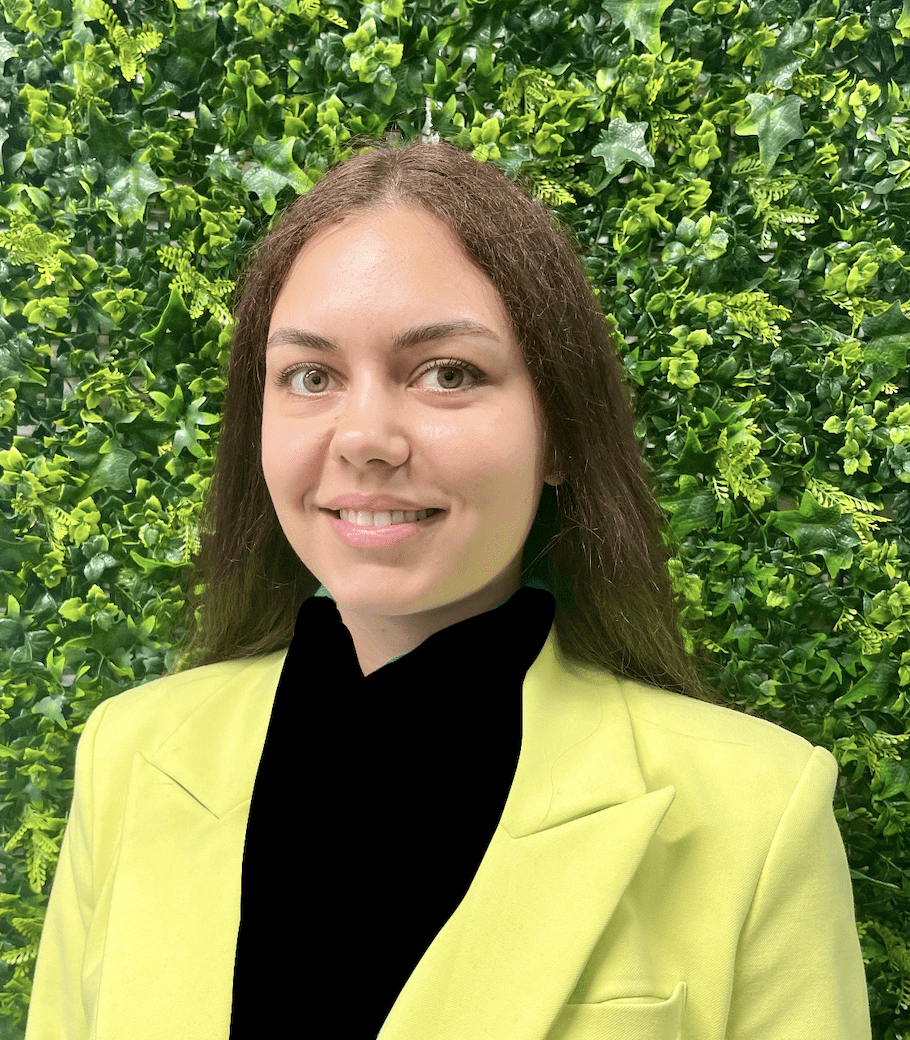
162 703
713 737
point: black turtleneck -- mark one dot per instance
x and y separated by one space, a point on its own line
374 803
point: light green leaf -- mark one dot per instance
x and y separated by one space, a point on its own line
775 125
130 190
641 18
623 141
50 708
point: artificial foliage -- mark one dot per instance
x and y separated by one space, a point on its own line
737 174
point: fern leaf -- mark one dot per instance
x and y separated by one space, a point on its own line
748 164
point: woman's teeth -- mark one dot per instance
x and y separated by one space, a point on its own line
384 519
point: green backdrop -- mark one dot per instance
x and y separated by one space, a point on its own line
737 173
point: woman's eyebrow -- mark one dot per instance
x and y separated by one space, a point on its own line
401 341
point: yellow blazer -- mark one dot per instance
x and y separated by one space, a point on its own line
664 869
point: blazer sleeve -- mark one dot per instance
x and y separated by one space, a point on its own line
799 970
57 1007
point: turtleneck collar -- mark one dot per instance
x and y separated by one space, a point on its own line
529 583
432 735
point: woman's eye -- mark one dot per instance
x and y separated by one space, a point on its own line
450 377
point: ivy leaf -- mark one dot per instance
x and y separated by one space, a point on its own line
641 18
892 322
274 172
192 50
774 125
816 528
692 508
187 435
778 63
112 472
810 512
108 141
876 684
885 348
893 778
50 708
130 190
175 318
7 50
693 459
15 549
621 142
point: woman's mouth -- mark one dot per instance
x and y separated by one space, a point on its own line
383 529
387 518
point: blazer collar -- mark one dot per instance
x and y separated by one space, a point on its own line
577 751
574 829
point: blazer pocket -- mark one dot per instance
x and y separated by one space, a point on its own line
623 1018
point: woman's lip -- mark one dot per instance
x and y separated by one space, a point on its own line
379 537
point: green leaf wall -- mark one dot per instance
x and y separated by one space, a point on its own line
737 173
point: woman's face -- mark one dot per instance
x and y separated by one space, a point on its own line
376 420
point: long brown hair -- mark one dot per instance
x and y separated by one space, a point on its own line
596 539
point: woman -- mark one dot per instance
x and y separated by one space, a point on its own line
441 767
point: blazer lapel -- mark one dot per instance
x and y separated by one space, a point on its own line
573 832
173 895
